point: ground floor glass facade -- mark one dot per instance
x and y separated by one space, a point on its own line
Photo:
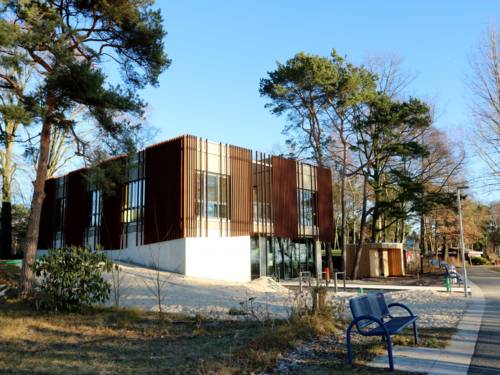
281 258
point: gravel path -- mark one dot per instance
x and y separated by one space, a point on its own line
264 297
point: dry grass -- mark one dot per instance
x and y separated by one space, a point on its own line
110 341
127 341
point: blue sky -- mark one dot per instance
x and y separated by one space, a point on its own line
221 49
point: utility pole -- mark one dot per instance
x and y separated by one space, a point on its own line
462 246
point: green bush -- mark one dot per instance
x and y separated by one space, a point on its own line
480 261
71 277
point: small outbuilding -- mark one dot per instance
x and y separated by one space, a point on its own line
378 260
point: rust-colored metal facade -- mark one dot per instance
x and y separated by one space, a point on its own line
189 158
263 215
240 206
261 192
77 204
110 231
164 208
325 204
47 220
284 197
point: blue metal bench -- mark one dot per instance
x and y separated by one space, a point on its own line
452 273
371 317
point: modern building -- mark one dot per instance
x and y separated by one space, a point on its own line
199 208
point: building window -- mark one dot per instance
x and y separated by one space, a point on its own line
133 200
261 191
94 218
212 190
95 209
307 207
60 208
133 203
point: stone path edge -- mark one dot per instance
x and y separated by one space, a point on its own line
465 339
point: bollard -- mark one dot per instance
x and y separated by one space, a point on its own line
326 270
447 284
335 281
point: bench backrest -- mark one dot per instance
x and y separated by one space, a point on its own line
372 304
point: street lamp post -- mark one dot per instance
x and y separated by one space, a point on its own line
462 246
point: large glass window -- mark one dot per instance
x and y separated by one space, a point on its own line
133 203
94 218
95 209
255 257
212 191
261 193
60 207
133 191
285 259
306 200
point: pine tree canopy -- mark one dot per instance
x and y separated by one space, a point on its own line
68 43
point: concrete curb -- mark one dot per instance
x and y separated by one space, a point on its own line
384 287
456 358
463 343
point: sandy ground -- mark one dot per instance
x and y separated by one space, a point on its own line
261 298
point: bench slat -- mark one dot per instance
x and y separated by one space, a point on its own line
393 326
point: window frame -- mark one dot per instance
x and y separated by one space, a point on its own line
212 209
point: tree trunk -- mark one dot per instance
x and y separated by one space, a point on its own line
329 257
6 215
360 244
353 229
396 232
33 227
445 251
384 232
376 211
422 242
343 206
403 234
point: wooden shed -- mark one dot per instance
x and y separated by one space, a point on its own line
378 260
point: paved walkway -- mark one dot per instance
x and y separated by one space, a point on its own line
486 359
455 358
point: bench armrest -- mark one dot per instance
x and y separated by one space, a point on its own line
456 275
396 304
369 318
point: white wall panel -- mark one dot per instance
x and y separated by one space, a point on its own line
226 258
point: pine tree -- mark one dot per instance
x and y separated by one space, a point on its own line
68 43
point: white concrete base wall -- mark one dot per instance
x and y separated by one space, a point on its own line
219 258
167 255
